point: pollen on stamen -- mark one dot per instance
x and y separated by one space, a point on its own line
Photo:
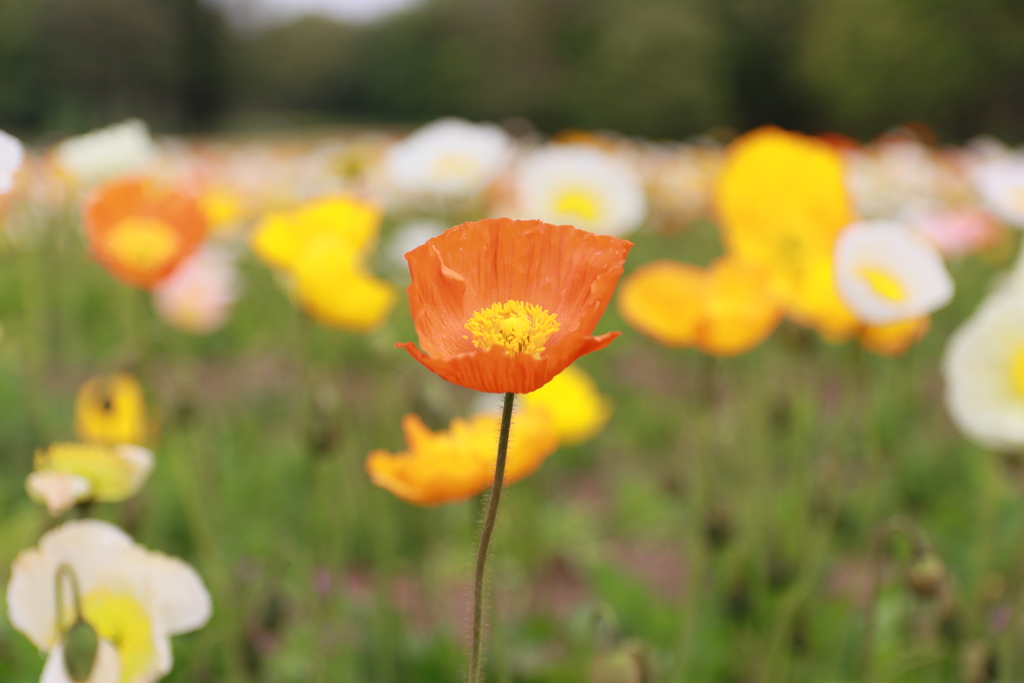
517 326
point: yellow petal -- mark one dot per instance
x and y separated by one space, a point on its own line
111 409
575 406
662 299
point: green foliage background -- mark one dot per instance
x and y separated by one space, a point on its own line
659 68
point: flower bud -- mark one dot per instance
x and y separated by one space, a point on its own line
80 648
927 575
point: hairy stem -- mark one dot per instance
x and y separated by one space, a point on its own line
475 659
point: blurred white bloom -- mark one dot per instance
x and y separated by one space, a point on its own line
198 296
984 372
886 272
449 159
106 153
12 154
680 181
69 473
134 600
407 237
1000 182
582 186
896 178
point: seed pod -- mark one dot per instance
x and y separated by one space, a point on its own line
80 651
927 575
626 664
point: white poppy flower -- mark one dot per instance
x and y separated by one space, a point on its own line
450 158
886 273
1000 182
198 296
12 155
106 153
582 186
984 371
134 600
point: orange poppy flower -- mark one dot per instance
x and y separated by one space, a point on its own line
458 463
503 306
140 232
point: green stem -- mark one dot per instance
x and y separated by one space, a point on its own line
485 541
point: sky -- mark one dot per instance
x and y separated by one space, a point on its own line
264 12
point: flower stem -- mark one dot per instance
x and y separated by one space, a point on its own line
475 660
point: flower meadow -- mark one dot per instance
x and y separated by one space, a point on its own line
457 404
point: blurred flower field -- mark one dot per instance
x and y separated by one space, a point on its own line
800 461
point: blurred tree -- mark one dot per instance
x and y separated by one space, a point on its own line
663 68
950 64
201 41
307 64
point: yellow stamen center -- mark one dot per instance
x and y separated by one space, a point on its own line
883 283
122 621
143 243
578 203
516 325
1017 372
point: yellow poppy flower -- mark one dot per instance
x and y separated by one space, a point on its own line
112 410
818 305
724 310
339 292
281 239
782 202
576 407
68 473
458 463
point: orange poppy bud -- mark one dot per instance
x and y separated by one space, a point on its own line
140 232
503 306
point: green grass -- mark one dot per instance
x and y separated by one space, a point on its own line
724 527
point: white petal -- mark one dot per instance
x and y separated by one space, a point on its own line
108 152
12 154
450 158
141 461
901 254
59 491
980 395
1000 182
609 179
89 547
106 669
179 595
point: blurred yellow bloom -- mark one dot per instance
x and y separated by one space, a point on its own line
111 409
819 306
895 338
782 202
725 310
323 247
576 407
68 473
222 207
338 292
282 239
452 465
